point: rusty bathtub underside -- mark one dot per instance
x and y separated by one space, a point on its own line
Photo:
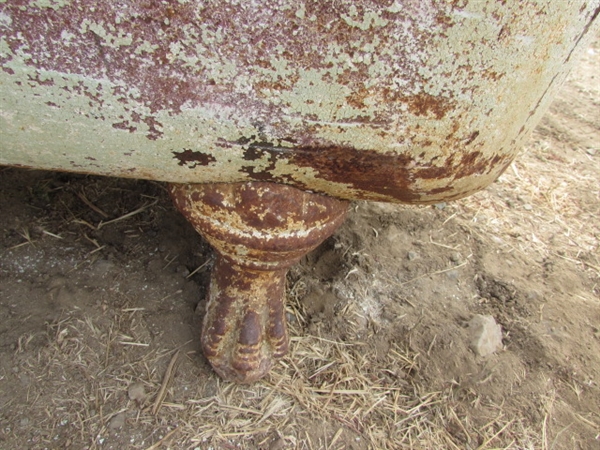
403 101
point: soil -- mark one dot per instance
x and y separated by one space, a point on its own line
101 281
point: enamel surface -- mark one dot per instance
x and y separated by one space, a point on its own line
404 101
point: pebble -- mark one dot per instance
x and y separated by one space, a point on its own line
182 270
117 421
440 205
291 318
412 256
485 335
102 267
278 444
527 207
452 274
136 392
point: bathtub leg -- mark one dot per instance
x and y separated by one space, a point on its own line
258 230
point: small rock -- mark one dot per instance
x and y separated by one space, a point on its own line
440 206
591 151
455 257
452 274
211 388
200 308
102 267
412 256
497 239
117 421
136 392
182 270
485 335
277 444
291 318
527 207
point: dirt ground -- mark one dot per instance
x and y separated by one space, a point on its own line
102 281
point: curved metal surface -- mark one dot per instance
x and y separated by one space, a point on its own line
405 101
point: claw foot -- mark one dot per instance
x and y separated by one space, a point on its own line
244 327
258 230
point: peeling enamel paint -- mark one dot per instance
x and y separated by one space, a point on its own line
387 100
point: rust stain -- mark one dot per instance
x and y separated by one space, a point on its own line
193 159
424 104
125 125
472 137
391 175
37 80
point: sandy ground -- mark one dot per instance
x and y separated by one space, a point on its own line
94 310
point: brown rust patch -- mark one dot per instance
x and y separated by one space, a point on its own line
193 159
424 104
125 125
474 163
435 172
37 80
362 169
154 132
472 137
375 174
357 98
